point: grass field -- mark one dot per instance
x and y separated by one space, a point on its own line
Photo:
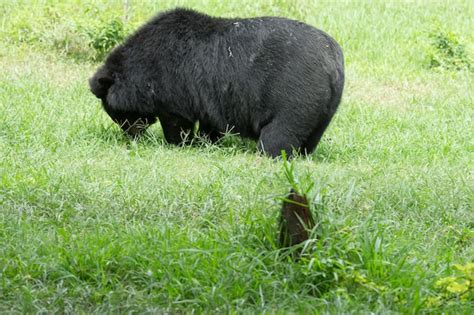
91 221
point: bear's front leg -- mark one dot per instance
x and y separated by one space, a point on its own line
134 127
207 131
177 130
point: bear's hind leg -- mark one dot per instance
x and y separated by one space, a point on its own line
275 137
312 141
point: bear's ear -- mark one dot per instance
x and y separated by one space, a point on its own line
100 84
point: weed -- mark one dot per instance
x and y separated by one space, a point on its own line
459 286
105 37
447 52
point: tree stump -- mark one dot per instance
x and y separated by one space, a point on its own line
296 220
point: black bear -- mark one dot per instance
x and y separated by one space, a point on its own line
272 79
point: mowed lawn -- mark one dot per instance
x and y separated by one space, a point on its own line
93 222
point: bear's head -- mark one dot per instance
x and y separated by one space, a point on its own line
119 97
101 82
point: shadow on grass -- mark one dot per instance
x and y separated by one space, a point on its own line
229 144
111 135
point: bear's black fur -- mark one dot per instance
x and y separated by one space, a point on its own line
272 79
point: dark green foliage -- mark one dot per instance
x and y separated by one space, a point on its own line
448 52
105 37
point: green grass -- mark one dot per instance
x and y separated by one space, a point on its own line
93 222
